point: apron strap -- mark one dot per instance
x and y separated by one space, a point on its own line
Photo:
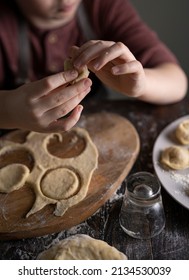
23 53
86 27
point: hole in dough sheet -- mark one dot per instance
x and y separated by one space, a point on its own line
17 136
73 145
21 156
60 183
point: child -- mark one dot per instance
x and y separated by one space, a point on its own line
108 36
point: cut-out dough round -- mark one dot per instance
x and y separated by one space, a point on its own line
175 157
60 183
84 72
82 247
182 132
13 177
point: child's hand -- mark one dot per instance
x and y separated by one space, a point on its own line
114 64
40 105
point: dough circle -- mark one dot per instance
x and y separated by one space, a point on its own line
81 247
175 157
60 183
12 177
182 132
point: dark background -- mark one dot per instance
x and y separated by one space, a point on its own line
170 19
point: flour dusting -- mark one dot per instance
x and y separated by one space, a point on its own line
180 178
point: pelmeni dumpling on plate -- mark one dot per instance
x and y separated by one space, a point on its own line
182 132
175 157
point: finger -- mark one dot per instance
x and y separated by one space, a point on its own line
48 84
89 52
76 51
127 68
62 110
69 122
117 51
73 51
62 95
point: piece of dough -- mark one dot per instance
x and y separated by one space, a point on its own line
12 177
175 157
81 247
60 181
51 185
182 132
84 72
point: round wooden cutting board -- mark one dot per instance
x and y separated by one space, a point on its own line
118 145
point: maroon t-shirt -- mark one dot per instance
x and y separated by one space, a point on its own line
111 20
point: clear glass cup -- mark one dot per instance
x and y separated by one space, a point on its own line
142 213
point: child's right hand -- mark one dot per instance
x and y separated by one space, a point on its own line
39 106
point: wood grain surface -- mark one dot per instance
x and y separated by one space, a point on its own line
118 144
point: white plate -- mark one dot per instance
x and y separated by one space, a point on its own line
178 188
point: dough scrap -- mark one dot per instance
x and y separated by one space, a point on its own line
82 247
175 157
84 72
60 181
182 132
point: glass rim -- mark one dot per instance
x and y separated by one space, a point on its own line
155 186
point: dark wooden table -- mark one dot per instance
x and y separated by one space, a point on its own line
172 243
